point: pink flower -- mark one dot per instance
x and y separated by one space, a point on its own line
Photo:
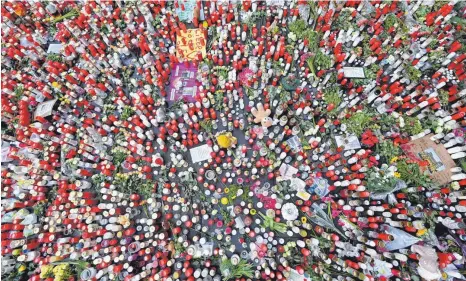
336 213
269 203
327 199
458 132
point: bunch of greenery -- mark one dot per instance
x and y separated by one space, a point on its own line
298 27
319 61
411 173
218 96
132 183
413 73
344 20
313 38
332 96
119 155
270 223
393 21
358 122
231 271
127 112
71 14
379 182
388 150
412 126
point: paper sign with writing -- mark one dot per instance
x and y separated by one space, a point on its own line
190 43
186 10
54 49
45 109
353 72
287 171
436 155
295 143
348 142
183 83
200 153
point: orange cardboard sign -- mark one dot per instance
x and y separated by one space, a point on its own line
440 162
190 43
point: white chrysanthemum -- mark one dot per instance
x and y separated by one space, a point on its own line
290 211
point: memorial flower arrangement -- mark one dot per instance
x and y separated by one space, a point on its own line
233 140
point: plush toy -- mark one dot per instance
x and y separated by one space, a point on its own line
226 140
261 115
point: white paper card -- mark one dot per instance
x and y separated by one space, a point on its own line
200 153
295 143
5 151
350 142
295 276
239 223
287 171
54 49
298 184
45 109
353 72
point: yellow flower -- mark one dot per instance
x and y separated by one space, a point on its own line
224 200
397 175
394 159
253 211
205 24
55 84
227 190
123 220
21 268
223 141
303 219
46 271
421 232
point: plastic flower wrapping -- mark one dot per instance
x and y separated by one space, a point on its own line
233 140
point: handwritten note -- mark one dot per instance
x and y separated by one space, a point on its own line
190 43
200 153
